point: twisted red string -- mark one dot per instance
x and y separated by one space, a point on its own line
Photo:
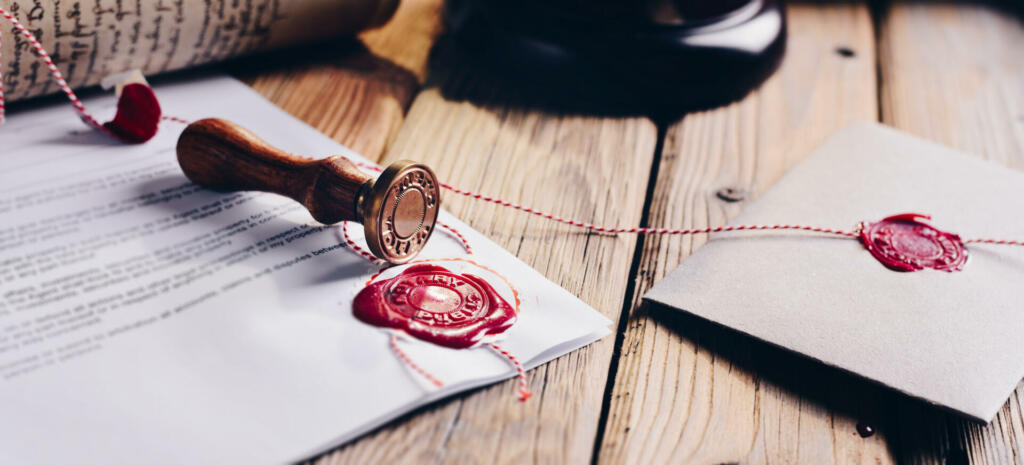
355 247
669 231
633 230
524 391
393 341
992 241
175 119
640 230
57 76
457 234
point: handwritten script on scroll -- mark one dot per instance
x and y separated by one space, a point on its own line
91 39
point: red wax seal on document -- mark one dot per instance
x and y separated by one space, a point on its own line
138 114
438 305
908 243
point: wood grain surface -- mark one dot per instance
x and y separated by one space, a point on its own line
667 389
355 91
954 73
688 396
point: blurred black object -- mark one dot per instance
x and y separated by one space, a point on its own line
655 55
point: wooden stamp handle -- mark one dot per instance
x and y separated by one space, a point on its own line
221 155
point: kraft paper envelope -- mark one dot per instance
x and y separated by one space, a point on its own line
952 339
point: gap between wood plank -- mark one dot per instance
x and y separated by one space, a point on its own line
631 285
877 9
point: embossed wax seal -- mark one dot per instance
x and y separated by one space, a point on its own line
908 243
436 304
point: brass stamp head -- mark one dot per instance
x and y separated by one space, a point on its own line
399 210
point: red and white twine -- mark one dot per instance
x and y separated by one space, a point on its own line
57 76
356 247
409 362
630 230
524 391
641 230
992 241
455 232
669 231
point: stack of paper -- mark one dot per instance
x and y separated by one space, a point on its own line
144 319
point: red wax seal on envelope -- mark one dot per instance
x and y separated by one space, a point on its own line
436 304
908 243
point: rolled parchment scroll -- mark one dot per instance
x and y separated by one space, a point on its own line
91 39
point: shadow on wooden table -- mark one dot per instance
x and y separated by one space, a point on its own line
347 54
460 75
338 86
912 428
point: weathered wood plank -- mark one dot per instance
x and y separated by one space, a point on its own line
588 167
954 73
355 91
686 393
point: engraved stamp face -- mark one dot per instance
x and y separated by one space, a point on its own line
403 209
409 210
436 304
437 298
908 243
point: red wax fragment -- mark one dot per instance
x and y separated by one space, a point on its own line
908 243
138 114
436 305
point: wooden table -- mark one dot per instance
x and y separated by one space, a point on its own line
667 389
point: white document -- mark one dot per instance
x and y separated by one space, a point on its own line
146 320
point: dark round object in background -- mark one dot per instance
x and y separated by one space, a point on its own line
645 54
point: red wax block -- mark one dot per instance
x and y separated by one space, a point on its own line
434 304
138 114
908 243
